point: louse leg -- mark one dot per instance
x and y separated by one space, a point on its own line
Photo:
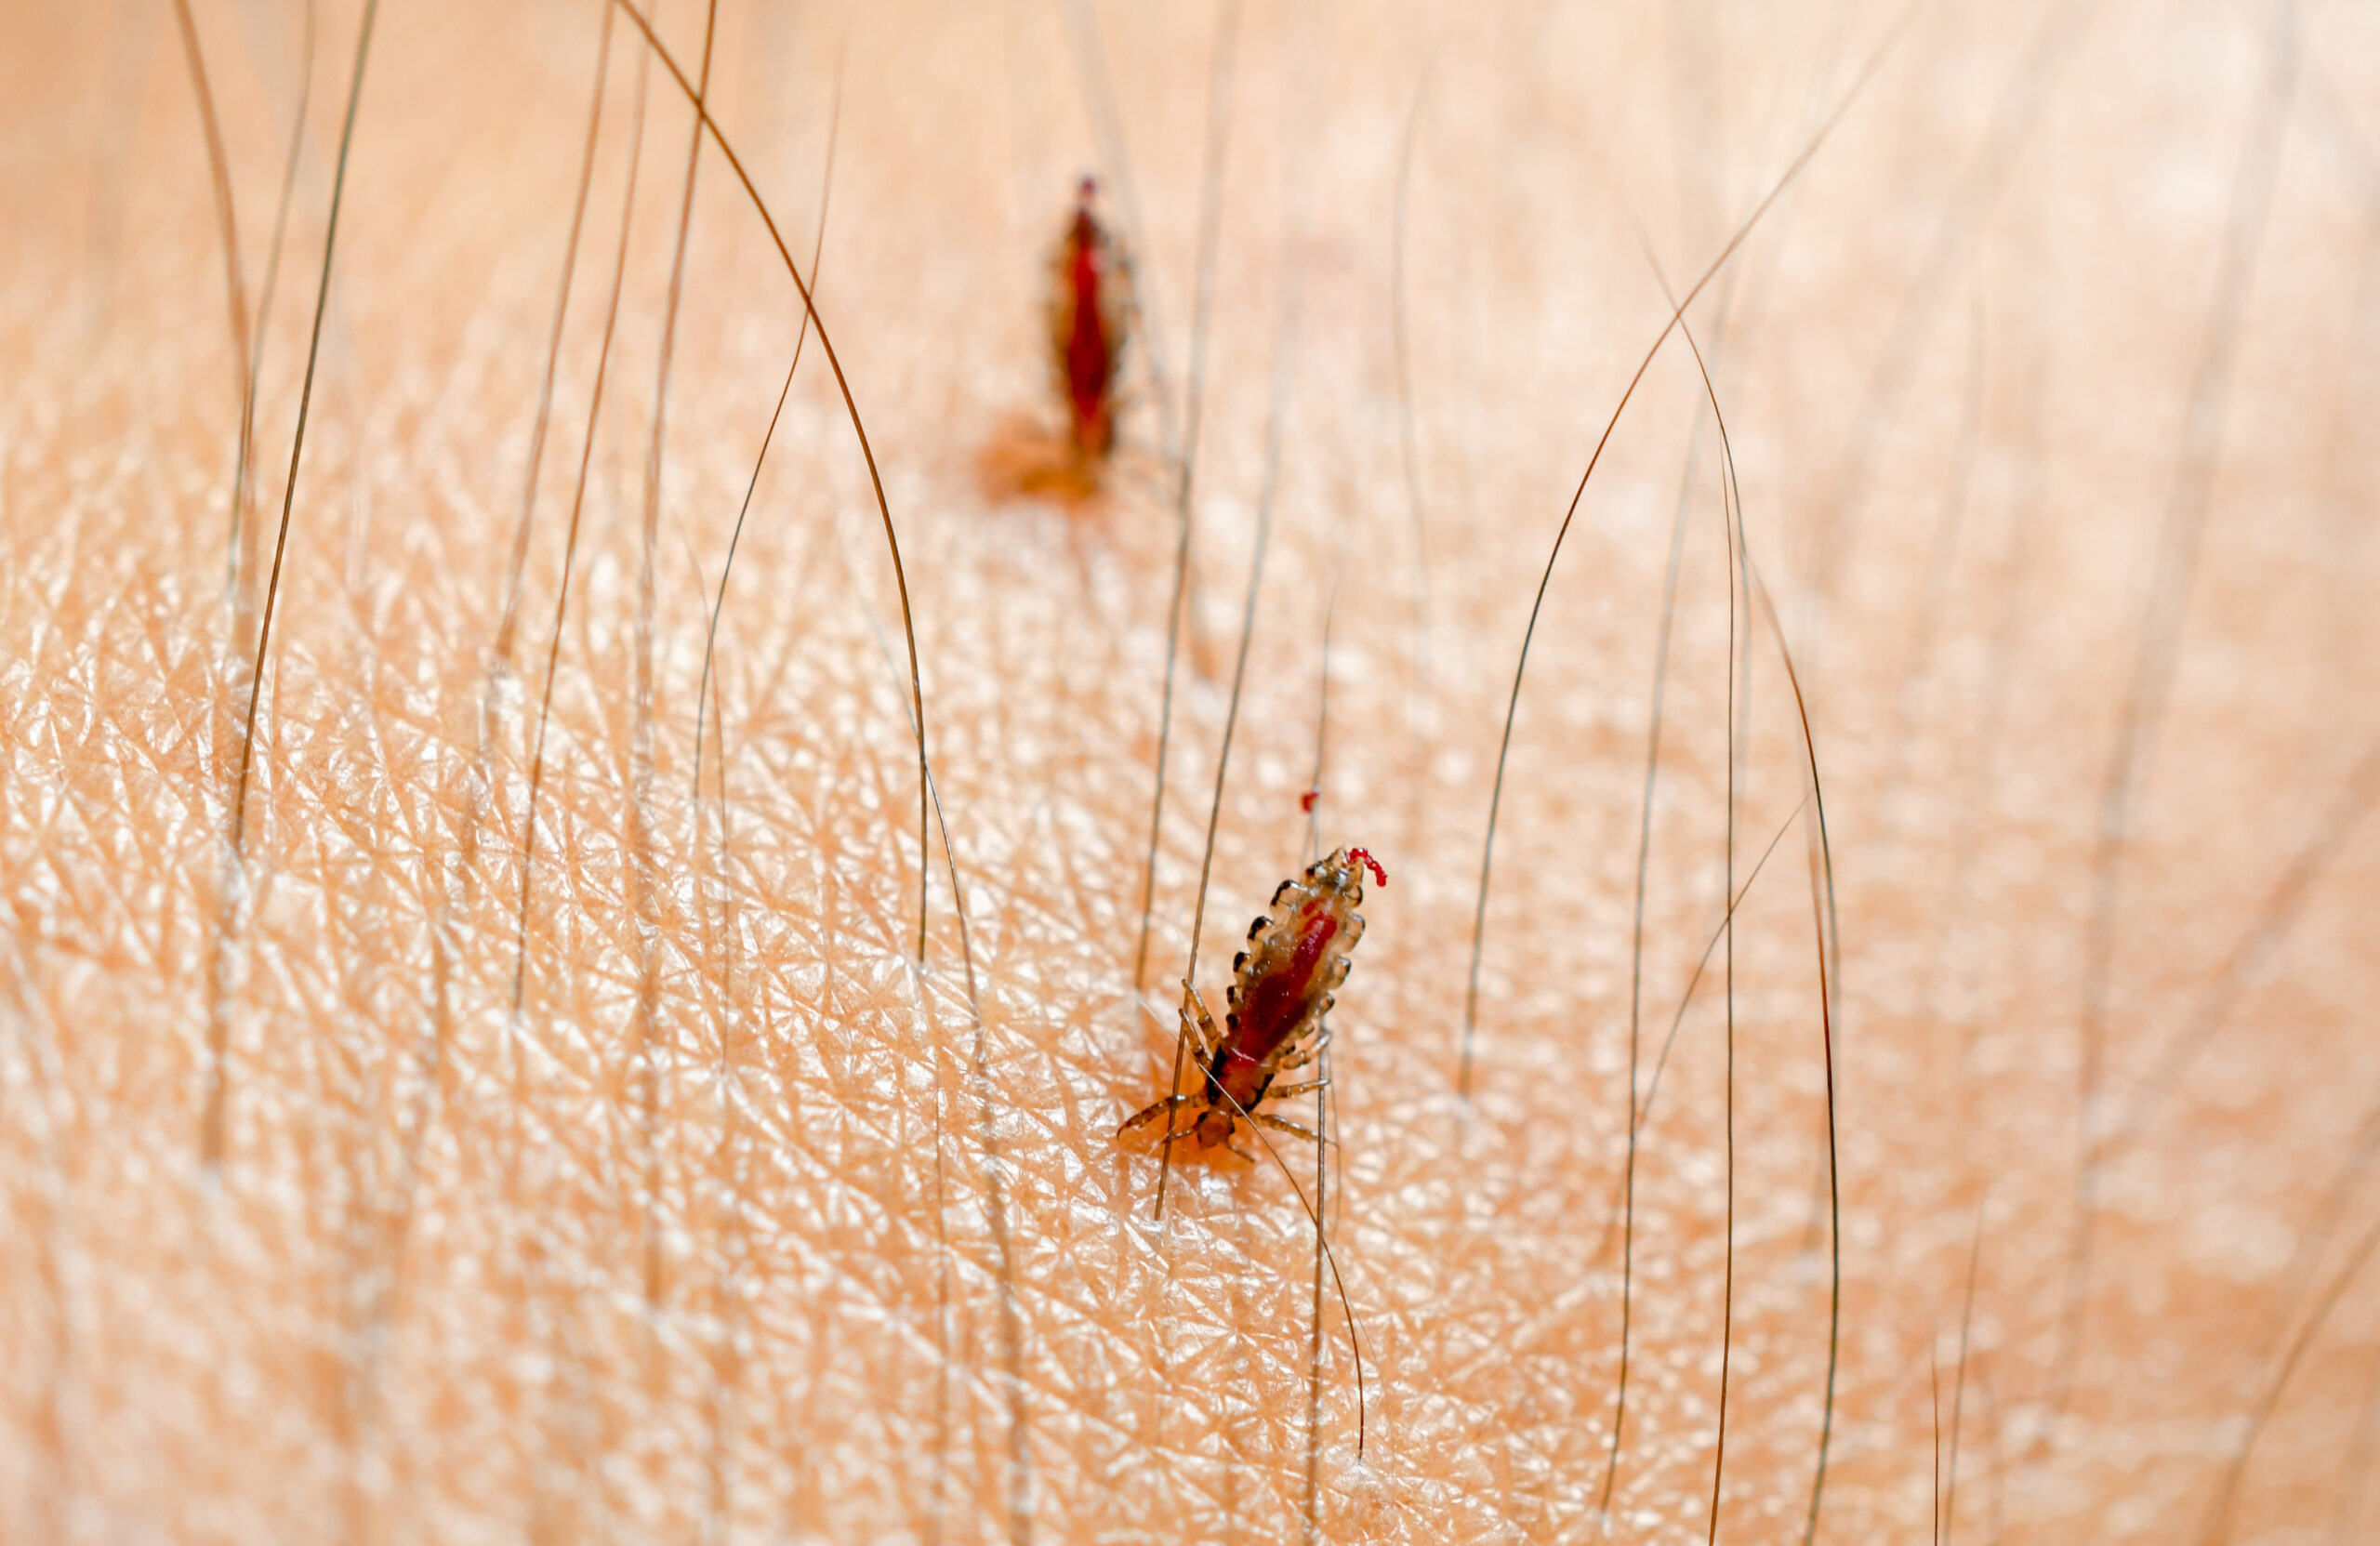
1200 1025
1280 1126
1288 1092
1303 1056
1151 1113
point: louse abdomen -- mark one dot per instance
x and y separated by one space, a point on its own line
1089 304
1273 1007
1090 361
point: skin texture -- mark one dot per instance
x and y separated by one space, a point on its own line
2048 385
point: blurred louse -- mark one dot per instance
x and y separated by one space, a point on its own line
1090 312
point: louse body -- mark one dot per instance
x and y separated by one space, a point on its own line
1281 988
1090 289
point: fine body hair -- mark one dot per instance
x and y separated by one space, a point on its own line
1861 1038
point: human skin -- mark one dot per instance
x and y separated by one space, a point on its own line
2044 382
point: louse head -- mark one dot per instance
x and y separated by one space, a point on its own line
1214 1127
1344 870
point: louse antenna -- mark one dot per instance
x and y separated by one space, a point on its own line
1364 856
1511 709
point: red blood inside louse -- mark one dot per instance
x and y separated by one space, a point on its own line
1088 357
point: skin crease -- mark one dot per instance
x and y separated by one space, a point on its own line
745 1227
